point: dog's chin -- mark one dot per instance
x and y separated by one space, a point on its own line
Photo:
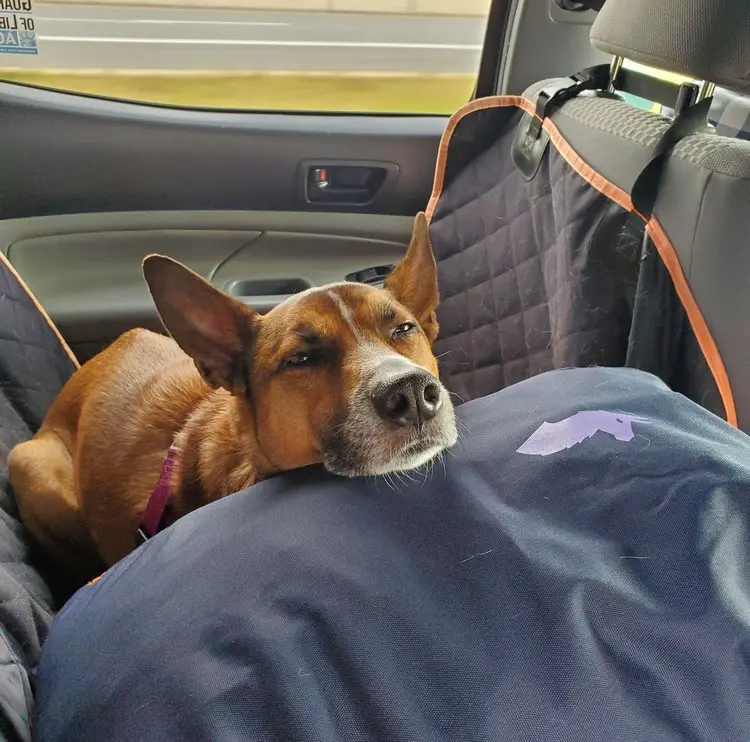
410 456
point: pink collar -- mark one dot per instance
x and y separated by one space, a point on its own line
152 520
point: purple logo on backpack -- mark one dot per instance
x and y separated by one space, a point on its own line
552 438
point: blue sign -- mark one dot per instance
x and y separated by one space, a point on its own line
17 28
18 42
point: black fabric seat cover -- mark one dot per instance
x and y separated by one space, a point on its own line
569 592
549 267
33 368
534 275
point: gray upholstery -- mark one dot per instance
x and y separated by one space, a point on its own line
704 207
612 136
616 117
721 154
706 39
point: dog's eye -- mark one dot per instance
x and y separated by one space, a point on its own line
405 328
298 359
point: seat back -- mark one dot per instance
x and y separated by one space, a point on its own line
544 262
539 254
537 271
703 211
699 221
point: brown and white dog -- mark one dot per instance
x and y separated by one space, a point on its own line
343 374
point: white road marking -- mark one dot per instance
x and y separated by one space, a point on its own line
161 21
265 42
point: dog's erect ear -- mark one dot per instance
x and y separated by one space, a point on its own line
214 329
413 282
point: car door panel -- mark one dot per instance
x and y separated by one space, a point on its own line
68 154
86 269
90 186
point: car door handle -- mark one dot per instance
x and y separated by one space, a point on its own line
345 183
374 276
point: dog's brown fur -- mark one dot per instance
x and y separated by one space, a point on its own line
220 390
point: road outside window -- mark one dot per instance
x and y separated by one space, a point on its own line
383 56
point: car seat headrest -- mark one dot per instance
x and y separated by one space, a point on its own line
705 40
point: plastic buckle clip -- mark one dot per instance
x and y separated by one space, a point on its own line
592 78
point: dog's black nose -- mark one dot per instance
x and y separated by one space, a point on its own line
412 399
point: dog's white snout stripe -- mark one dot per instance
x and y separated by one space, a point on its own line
347 315
382 364
391 366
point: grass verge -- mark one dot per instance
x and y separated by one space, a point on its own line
366 93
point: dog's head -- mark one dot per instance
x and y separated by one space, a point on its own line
343 374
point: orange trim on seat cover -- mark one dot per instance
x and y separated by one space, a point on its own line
613 192
494 101
703 335
44 314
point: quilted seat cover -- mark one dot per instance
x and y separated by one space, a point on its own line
34 365
554 267
533 275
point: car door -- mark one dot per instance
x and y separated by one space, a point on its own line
269 150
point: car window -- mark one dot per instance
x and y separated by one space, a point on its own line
394 56
730 113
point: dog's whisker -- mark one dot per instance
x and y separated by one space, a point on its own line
412 479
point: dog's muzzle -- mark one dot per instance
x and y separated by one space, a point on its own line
400 418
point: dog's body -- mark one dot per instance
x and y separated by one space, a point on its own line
342 375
